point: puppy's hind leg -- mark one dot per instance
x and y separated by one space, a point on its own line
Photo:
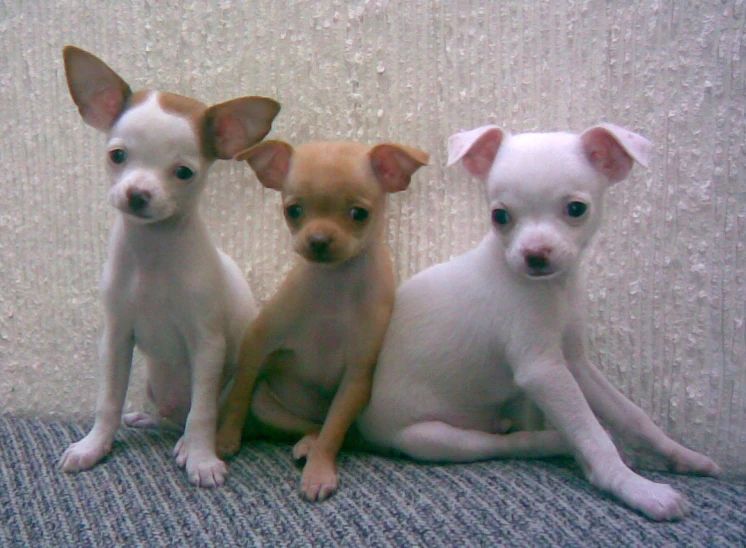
439 441
626 418
142 419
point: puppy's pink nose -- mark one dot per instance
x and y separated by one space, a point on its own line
137 199
537 258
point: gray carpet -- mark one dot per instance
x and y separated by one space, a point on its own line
138 497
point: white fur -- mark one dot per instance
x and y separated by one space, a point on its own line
168 290
470 338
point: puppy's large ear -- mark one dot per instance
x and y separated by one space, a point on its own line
393 165
612 150
230 127
98 91
270 161
476 148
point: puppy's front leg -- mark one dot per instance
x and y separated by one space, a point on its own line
196 448
631 422
549 383
115 357
236 407
319 478
282 311
320 450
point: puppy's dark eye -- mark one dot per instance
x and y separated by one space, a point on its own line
576 209
183 173
500 217
118 156
359 214
293 211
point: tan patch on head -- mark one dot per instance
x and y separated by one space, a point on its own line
186 107
139 97
334 166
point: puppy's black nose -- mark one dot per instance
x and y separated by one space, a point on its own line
137 199
319 243
537 259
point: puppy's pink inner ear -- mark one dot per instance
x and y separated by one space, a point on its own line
230 137
606 155
103 107
393 166
480 157
270 161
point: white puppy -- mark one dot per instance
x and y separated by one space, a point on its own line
165 286
471 337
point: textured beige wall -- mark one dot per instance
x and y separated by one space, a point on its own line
667 286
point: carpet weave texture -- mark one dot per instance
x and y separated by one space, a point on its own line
139 497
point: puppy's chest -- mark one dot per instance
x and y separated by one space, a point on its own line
323 346
325 340
167 312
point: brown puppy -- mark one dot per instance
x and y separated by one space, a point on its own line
306 363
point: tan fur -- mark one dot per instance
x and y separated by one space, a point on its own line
191 109
307 361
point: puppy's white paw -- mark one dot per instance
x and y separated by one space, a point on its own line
84 454
303 447
203 469
657 501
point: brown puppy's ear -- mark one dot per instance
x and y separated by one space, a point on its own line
612 150
476 149
98 91
230 127
394 165
270 161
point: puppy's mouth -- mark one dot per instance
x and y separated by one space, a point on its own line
141 215
323 258
542 273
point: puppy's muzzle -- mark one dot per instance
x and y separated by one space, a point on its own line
319 246
538 262
137 200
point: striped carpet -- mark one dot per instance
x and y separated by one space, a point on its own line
138 497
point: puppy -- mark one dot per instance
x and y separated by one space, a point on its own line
306 363
165 286
470 337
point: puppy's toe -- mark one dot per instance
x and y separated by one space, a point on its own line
661 502
669 506
319 481
181 452
304 446
208 473
318 492
82 455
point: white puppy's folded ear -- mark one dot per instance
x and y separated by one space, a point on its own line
393 165
612 150
230 127
99 92
270 160
476 148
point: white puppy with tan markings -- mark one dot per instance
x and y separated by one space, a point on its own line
471 337
166 288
